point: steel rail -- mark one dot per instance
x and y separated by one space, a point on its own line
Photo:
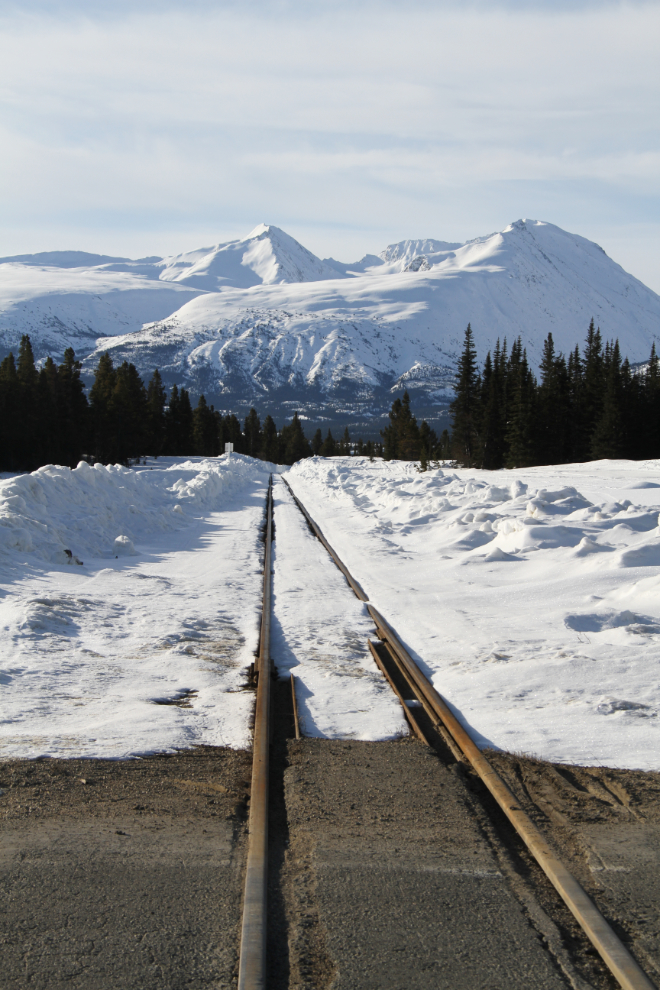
317 531
608 945
252 961
294 702
613 952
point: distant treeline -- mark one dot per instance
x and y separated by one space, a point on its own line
585 407
46 418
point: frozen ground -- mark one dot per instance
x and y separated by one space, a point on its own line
531 597
143 646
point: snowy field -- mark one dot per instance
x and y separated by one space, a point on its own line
143 646
531 598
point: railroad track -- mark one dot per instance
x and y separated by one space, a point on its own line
434 723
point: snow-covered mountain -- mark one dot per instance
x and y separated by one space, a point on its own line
262 320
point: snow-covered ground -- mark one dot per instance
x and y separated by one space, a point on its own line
320 632
164 607
531 598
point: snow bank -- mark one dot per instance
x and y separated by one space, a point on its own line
143 646
529 597
100 511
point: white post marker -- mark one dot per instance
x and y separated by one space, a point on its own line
229 448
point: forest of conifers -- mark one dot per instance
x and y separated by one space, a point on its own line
587 406
46 418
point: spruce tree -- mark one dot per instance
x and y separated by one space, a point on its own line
521 402
428 442
252 433
270 449
128 410
185 425
650 413
74 411
156 400
329 446
204 429
576 426
402 439
104 439
317 442
27 425
466 407
607 436
48 445
295 445
9 413
552 439
593 388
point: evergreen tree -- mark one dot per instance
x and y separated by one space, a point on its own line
493 409
156 401
428 442
329 447
593 389
402 439
27 424
521 389
576 428
9 412
252 434
179 424
231 432
204 430
270 449
466 407
444 446
553 412
74 412
294 444
651 407
129 413
47 446
104 439
607 436
185 436
317 442
345 443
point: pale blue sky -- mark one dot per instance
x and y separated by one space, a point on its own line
150 128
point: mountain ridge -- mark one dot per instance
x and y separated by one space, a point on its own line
261 320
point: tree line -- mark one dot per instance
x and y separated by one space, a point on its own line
46 418
587 406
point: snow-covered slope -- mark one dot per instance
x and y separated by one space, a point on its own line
261 320
346 343
62 307
266 256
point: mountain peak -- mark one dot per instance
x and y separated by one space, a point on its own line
259 231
